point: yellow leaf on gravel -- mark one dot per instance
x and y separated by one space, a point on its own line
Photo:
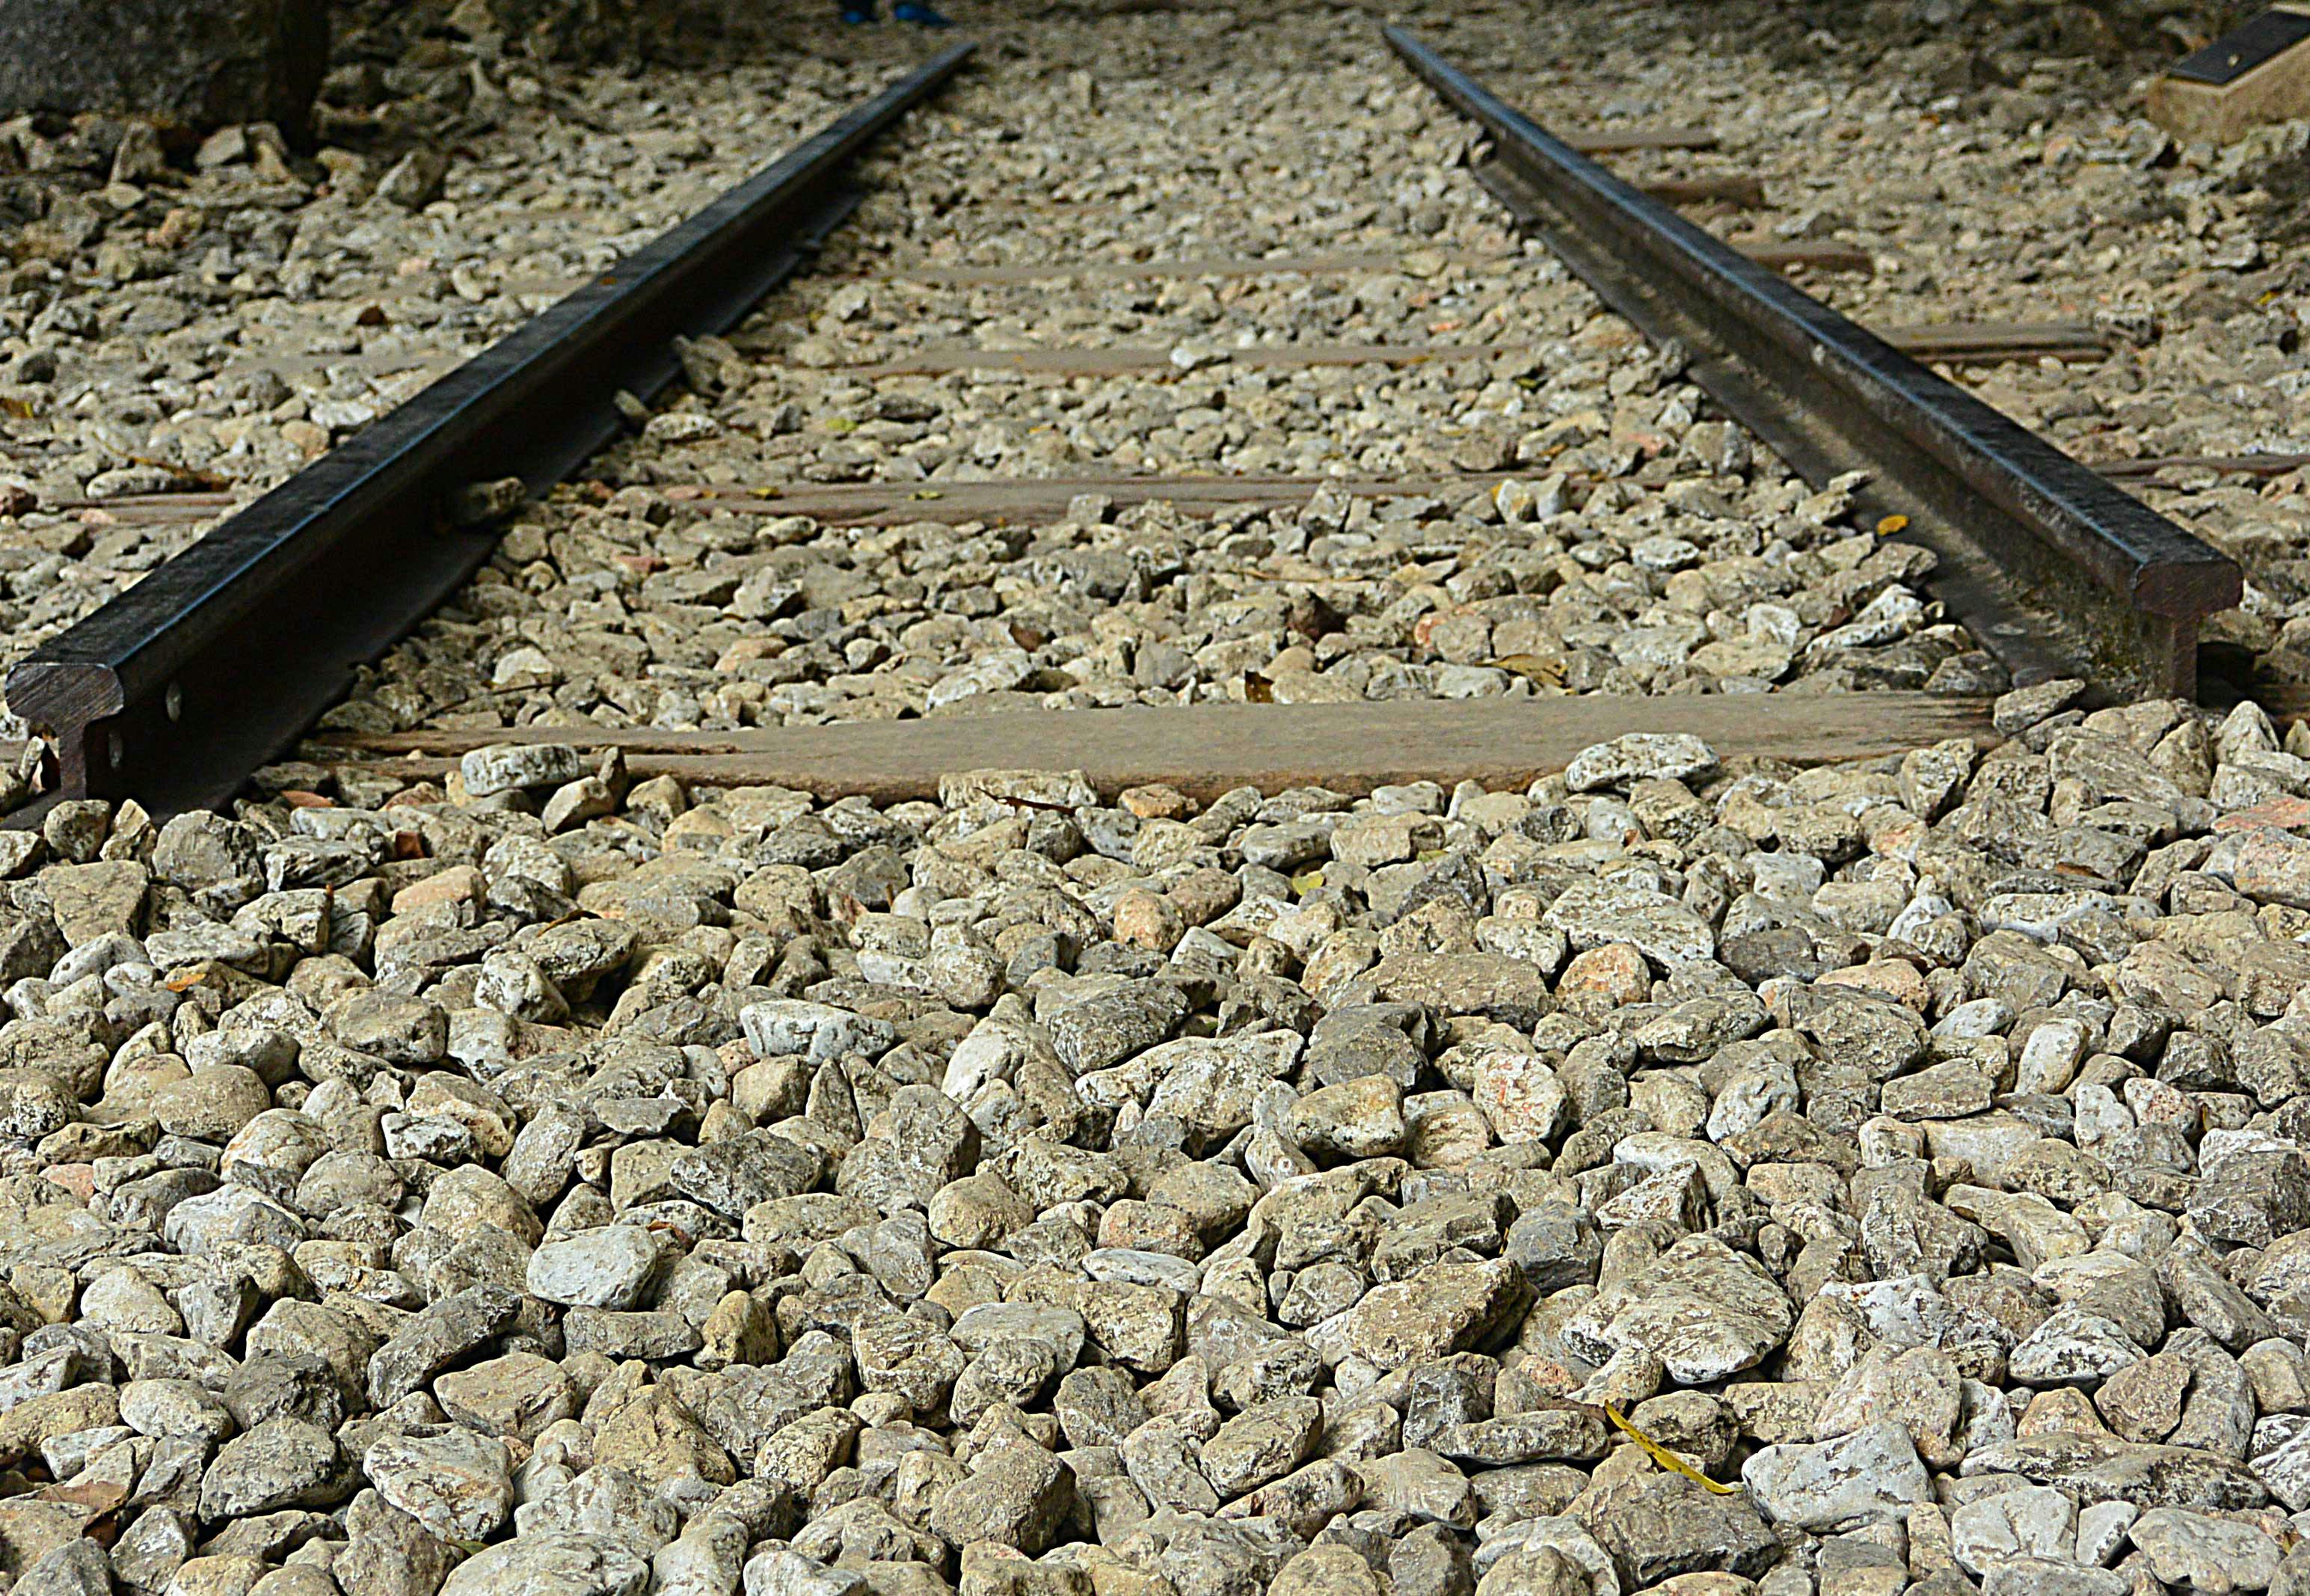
1891 524
1664 1457
1532 667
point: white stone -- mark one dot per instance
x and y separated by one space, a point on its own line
2035 1521
2102 1531
1872 1476
2212 1554
609 1267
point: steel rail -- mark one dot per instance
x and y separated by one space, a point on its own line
213 663
2056 569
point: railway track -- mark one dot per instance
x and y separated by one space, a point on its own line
178 688
211 667
1219 884
2056 569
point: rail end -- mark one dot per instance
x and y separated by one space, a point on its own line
70 701
2190 591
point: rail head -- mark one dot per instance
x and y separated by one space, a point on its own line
177 690
2080 576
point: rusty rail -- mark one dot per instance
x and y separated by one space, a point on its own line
2058 571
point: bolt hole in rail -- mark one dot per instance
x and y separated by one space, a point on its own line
2056 569
177 690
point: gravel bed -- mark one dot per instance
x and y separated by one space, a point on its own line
1690 1174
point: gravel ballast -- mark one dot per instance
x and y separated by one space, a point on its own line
1689 1172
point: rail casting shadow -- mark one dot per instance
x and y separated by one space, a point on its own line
2057 571
214 664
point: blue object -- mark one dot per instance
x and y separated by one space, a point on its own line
920 14
854 13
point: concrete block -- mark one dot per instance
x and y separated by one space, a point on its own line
197 63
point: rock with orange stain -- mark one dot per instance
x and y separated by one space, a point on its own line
459 883
1602 979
